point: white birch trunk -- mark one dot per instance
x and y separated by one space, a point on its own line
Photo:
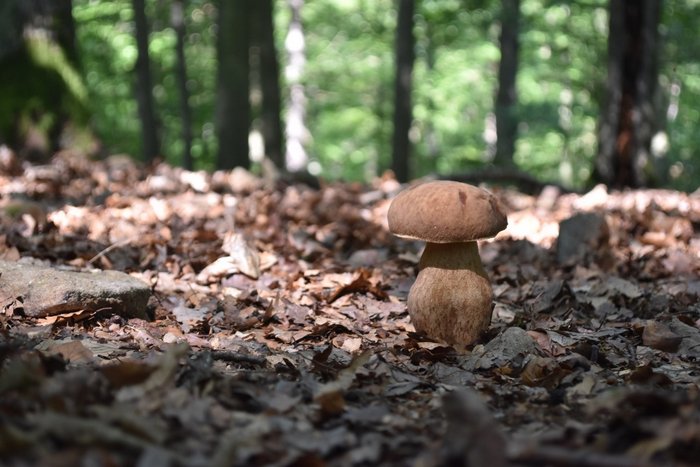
296 158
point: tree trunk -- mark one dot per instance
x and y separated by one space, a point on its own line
627 122
233 102
403 114
431 135
269 83
65 30
144 86
178 21
506 98
295 128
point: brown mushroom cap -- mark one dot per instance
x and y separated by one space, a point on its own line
446 212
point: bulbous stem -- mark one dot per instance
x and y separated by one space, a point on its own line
451 298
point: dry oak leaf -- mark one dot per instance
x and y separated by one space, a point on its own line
360 283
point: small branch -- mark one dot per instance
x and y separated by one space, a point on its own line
560 457
113 246
237 357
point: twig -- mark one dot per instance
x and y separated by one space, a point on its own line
530 454
237 357
113 246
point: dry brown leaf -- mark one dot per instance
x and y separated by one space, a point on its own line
360 283
73 350
127 372
330 395
65 317
658 335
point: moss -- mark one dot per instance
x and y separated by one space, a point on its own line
41 91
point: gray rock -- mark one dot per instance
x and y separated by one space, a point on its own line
368 258
509 347
690 338
46 291
580 235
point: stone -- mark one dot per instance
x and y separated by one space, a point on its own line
510 347
581 235
46 291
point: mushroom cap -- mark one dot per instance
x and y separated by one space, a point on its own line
446 212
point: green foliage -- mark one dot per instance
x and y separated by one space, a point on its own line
39 88
349 82
46 54
680 80
562 70
108 51
455 78
350 74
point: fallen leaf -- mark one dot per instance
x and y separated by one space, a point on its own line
63 318
330 395
127 372
623 286
241 254
72 350
360 283
188 318
658 335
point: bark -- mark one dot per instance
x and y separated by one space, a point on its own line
296 157
233 102
506 98
178 22
269 83
431 136
64 25
32 90
12 22
144 86
55 16
403 114
627 122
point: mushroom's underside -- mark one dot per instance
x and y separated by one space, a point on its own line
451 298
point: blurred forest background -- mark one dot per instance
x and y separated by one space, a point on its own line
572 92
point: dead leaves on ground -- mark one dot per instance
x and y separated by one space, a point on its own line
280 336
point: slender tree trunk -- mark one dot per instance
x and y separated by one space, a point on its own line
12 20
649 105
403 110
506 98
65 30
177 17
295 128
608 124
144 86
431 135
63 27
627 122
380 162
233 101
269 83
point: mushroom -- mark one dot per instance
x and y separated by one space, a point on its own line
451 297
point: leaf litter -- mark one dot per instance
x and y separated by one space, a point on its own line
277 332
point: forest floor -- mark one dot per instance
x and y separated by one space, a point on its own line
277 331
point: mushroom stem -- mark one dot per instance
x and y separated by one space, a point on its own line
451 298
